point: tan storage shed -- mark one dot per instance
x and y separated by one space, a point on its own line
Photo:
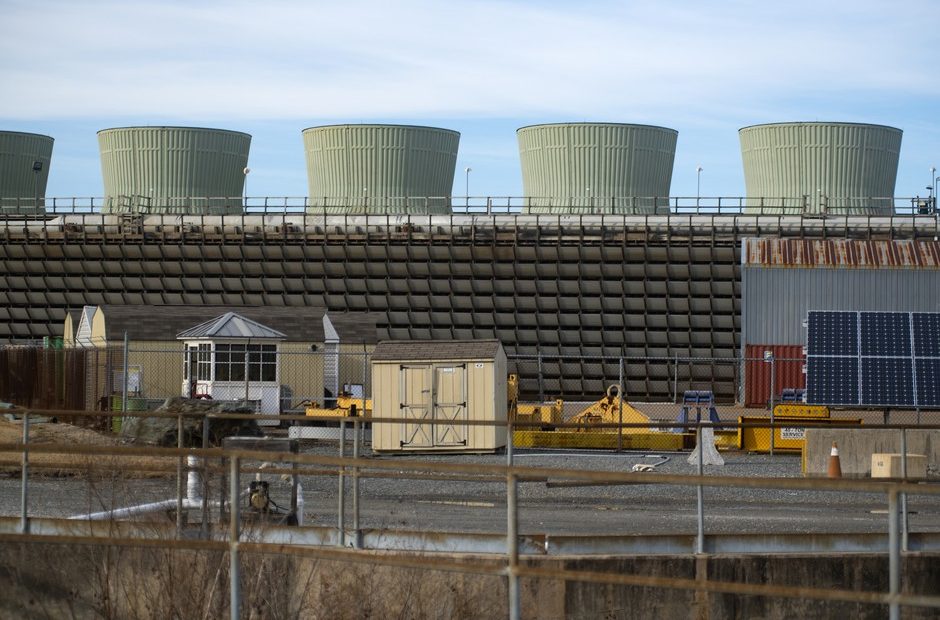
450 382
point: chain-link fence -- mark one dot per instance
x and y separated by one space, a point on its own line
564 402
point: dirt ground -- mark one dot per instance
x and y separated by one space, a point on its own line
62 464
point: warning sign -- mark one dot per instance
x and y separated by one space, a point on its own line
792 432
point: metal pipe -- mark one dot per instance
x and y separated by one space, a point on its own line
700 497
773 367
341 509
126 372
24 484
620 412
512 546
357 542
509 441
234 577
904 517
894 555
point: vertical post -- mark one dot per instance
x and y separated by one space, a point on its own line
512 547
179 476
234 577
675 379
24 488
509 438
773 381
205 478
341 509
894 555
700 503
541 391
904 524
125 373
355 483
620 412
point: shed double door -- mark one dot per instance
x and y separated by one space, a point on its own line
433 393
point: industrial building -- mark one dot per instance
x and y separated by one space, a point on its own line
173 170
596 167
835 168
577 294
24 171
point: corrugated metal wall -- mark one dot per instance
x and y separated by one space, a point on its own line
839 167
19 184
596 167
173 169
787 372
775 300
380 168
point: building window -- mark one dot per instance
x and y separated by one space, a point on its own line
200 363
230 362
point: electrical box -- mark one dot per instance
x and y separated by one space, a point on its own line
884 465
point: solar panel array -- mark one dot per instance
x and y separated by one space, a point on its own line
879 359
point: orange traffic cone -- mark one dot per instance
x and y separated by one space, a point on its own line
835 467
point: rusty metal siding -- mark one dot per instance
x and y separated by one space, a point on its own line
843 253
788 372
775 301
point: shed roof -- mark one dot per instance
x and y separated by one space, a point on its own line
298 324
415 350
231 325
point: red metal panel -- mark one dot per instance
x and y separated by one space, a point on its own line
788 372
844 253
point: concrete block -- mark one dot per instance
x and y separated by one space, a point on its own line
856 447
889 466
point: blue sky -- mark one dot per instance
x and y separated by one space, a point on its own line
484 68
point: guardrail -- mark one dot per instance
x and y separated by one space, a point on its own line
355 468
485 205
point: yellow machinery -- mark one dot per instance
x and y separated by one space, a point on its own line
346 406
786 438
546 414
607 410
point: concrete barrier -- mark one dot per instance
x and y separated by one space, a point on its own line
857 445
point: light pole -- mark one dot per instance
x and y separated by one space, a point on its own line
932 188
769 359
466 189
698 185
245 186
37 168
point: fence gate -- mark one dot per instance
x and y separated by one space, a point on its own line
450 405
415 390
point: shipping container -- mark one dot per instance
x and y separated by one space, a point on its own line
787 372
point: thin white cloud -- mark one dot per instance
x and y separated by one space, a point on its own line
418 58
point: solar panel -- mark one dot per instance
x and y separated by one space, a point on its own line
887 381
832 380
886 334
833 333
928 382
878 359
926 334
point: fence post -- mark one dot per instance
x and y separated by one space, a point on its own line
773 377
355 481
341 508
700 503
205 477
24 488
541 390
904 524
179 476
234 577
512 546
124 382
894 555
675 378
620 413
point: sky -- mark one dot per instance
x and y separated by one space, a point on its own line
483 68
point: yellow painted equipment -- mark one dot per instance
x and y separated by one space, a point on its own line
644 440
786 438
547 414
611 410
345 406
792 410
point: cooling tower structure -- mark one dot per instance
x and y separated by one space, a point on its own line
380 168
820 168
24 170
596 167
174 170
